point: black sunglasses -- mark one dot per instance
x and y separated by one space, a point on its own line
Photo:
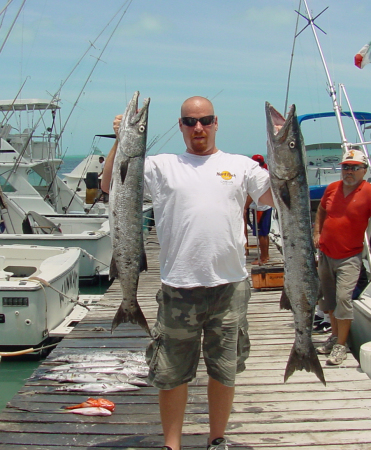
191 121
352 167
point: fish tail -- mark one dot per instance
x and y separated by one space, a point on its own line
308 361
136 317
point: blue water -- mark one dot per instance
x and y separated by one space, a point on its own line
13 374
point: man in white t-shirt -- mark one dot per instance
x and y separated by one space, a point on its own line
198 200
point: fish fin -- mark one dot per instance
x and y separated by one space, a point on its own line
285 301
136 317
308 362
113 273
285 194
123 170
143 262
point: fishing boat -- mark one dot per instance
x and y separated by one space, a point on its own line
30 160
90 234
78 179
36 206
39 288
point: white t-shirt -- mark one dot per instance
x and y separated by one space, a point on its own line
260 207
198 204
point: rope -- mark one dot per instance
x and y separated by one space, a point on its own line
43 283
27 350
93 257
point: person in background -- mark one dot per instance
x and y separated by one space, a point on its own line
198 199
102 162
262 215
339 228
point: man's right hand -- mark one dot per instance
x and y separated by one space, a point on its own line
116 124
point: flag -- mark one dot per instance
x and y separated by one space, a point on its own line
363 57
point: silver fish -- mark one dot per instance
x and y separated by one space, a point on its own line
86 366
126 204
69 377
97 357
102 388
288 176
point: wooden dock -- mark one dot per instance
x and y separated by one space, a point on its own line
267 413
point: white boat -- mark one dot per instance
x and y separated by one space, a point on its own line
30 159
76 179
31 188
90 234
39 288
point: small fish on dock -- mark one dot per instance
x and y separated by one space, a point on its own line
126 216
289 184
94 402
91 411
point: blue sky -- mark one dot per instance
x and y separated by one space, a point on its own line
236 53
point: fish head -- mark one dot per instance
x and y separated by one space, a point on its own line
285 146
133 128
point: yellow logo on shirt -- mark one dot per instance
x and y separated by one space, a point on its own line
226 175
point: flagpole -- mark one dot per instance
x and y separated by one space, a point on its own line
344 142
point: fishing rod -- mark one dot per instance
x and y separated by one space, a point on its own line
90 74
12 25
291 61
55 97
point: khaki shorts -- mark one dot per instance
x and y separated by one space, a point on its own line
338 280
183 314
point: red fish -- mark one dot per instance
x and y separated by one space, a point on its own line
95 402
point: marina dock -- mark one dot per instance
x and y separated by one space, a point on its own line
267 413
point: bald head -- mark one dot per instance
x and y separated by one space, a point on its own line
196 103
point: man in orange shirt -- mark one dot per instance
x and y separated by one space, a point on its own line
339 228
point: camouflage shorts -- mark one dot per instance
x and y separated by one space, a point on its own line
183 314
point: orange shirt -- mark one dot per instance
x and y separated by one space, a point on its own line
346 220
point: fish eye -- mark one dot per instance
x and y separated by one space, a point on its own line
142 129
292 144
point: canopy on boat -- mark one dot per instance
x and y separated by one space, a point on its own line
25 105
362 117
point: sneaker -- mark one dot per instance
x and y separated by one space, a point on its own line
338 355
322 328
327 346
317 319
218 444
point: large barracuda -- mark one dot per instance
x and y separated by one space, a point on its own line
287 170
126 204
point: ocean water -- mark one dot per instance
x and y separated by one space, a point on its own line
14 373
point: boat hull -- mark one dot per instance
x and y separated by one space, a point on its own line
38 289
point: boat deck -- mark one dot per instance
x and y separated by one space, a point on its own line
267 413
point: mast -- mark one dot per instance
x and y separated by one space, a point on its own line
310 19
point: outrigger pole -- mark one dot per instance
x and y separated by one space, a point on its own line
310 20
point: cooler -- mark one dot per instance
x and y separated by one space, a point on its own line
267 277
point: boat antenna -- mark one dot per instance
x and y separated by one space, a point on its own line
310 22
291 60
